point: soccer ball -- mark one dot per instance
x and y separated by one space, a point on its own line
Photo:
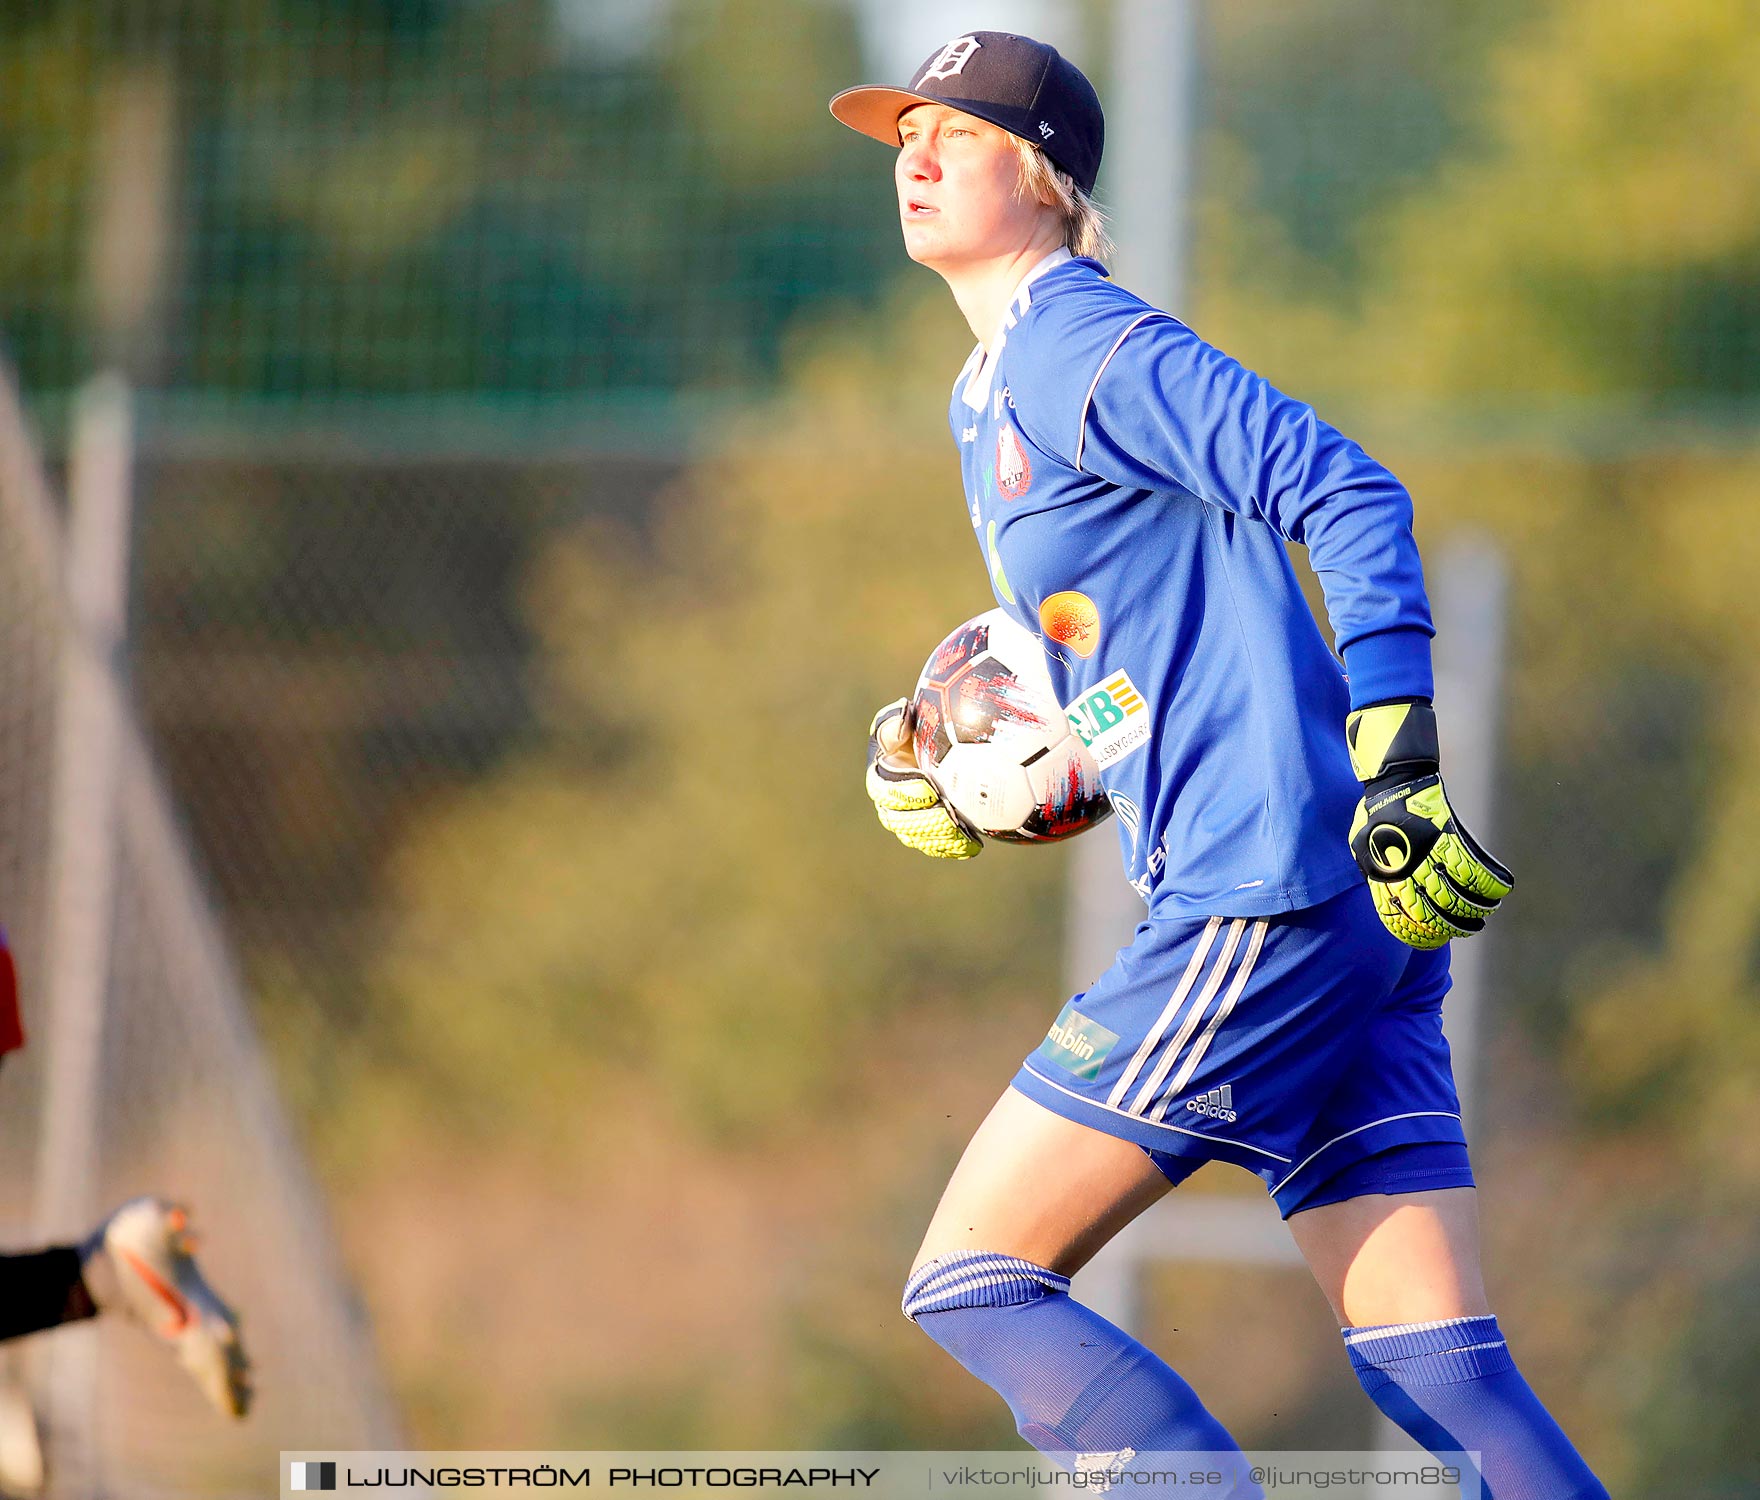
991 737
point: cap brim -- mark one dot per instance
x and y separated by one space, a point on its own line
874 110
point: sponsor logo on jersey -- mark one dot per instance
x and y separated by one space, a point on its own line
1144 884
1112 720
1129 814
1078 1043
1014 472
1218 1104
1072 620
950 61
1001 398
968 434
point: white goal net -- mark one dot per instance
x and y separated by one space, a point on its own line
143 1073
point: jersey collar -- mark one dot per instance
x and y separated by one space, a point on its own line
982 362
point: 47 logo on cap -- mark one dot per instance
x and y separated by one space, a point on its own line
951 59
1112 719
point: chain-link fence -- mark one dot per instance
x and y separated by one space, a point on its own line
320 204
327 643
440 588
110 915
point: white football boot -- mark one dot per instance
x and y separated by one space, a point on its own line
140 1259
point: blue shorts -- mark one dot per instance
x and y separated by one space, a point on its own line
1306 1047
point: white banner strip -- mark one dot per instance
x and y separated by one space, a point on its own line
917 1475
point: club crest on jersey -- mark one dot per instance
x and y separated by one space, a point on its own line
951 59
1112 720
1014 471
1072 620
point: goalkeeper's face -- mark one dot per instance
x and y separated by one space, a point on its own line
959 190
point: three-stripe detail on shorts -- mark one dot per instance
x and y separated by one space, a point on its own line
1255 942
1188 1012
1152 1037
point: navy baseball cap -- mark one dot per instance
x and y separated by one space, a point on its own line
1028 88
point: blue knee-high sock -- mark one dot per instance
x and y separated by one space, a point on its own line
1077 1385
1453 1386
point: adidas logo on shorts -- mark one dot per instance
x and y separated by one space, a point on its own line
1218 1103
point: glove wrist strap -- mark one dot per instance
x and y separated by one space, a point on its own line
1390 738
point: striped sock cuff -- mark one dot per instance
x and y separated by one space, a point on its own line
978 1279
1437 1353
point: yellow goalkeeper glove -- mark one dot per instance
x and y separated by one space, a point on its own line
1430 878
904 798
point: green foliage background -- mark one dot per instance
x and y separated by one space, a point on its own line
688 855
661 1050
1519 330
390 203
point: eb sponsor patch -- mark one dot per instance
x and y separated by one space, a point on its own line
1112 719
1078 1043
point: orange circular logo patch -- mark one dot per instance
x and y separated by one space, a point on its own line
1071 620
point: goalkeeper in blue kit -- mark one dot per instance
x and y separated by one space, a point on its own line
1131 489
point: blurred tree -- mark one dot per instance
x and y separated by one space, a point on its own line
709 902
1530 241
704 902
1589 267
1595 234
1343 107
430 197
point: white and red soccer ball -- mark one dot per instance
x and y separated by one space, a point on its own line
993 739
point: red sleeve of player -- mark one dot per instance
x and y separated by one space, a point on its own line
11 1028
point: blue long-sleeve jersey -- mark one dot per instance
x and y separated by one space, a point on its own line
1131 488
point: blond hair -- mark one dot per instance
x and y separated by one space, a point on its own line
1084 223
